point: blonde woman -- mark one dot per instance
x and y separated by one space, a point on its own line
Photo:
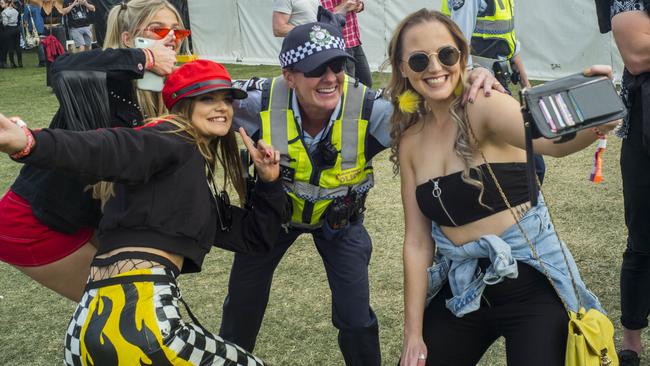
483 282
48 217
163 217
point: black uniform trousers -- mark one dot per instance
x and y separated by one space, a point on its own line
346 262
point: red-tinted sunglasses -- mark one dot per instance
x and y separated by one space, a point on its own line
162 32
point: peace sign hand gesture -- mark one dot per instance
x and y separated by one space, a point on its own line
265 158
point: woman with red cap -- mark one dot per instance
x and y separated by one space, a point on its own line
48 218
162 214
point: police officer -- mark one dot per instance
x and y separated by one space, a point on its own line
327 128
489 26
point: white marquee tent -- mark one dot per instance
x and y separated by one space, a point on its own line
558 37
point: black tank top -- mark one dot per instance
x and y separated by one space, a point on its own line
449 201
53 18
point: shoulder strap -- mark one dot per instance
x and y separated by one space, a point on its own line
530 244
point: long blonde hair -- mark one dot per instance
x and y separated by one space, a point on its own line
132 17
221 152
398 84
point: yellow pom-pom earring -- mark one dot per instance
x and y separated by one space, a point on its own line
459 88
408 101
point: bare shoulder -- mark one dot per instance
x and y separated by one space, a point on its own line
497 104
409 140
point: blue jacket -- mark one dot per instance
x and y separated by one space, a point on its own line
458 264
34 12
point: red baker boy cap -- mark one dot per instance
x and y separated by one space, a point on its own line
196 78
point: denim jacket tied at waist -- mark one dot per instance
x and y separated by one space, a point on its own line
459 264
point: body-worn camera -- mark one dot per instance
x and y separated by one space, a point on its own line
326 153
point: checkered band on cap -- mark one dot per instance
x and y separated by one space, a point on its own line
309 48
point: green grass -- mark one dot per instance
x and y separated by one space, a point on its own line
297 328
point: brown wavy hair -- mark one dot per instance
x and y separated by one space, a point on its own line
221 151
398 84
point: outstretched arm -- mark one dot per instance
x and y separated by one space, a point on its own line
117 154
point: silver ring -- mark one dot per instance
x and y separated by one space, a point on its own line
421 356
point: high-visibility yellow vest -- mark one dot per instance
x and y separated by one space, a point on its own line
494 33
310 187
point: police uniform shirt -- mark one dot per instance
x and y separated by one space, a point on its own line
247 115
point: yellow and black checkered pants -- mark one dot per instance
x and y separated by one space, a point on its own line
134 319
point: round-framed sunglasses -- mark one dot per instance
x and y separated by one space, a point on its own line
162 32
336 66
446 55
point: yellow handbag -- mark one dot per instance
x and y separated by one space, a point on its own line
590 339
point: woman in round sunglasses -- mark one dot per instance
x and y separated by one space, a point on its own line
463 286
161 219
48 217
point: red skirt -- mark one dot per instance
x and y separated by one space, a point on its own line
26 242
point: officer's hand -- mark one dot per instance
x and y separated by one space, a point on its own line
592 70
12 137
478 78
265 158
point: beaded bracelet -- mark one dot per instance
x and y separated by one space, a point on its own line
28 147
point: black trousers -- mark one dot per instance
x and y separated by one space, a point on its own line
635 271
526 311
13 44
346 264
359 69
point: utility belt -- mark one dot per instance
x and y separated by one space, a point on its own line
344 210
502 69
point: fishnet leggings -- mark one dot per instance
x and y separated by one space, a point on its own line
121 266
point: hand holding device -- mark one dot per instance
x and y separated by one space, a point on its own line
567 105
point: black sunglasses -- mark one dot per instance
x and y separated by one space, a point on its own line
336 66
446 55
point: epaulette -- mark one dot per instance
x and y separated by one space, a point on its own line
376 94
251 84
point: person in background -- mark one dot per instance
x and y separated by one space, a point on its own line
477 20
289 13
77 17
32 18
630 24
162 215
349 8
52 14
11 32
473 17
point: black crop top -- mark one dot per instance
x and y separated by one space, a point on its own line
54 17
449 201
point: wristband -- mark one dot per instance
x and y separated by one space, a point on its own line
28 147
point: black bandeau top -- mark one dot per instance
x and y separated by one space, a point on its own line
449 201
